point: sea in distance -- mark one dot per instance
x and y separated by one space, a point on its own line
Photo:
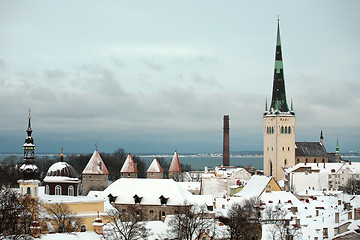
198 161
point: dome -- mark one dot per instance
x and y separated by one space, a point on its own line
61 172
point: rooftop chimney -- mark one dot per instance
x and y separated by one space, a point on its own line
226 150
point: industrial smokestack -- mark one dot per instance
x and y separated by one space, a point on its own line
226 148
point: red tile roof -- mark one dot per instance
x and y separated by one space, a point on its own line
129 165
95 165
175 164
155 167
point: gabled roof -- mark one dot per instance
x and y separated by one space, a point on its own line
255 186
175 164
95 165
311 149
155 167
129 165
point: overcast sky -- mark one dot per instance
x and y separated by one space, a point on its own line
158 76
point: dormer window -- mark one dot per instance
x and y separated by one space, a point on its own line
163 200
137 199
112 198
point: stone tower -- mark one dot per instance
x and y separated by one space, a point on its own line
175 168
95 174
29 172
279 124
155 171
129 169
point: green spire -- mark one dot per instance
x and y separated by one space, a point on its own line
337 152
266 108
278 102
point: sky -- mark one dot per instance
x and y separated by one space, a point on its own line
158 76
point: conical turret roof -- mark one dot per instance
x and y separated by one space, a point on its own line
155 167
129 165
95 165
175 164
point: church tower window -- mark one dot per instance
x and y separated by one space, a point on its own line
282 129
71 191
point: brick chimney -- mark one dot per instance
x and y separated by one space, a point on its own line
226 148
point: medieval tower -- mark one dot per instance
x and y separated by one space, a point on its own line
279 124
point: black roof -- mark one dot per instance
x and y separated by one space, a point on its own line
311 149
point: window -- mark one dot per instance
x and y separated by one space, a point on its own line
285 162
57 190
288 148
298 161
282 129
314 160
285 129
163 214
28 191
289 131
71 191
306 161
283 148
83 228
272 129
151 211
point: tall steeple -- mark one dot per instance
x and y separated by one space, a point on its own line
278 102
28 170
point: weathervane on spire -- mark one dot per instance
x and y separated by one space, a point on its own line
29 113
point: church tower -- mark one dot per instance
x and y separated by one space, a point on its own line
279 124
29 172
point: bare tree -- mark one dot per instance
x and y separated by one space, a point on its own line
280 226
190 222
352 186
243 220
15 216
65 219
126 225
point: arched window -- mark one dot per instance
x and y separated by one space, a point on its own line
163 214
272 130
28 191
270 168
71 190
315 160
306 160
282 129
83 228
267 130
289 131
285 162
286 129
57 190
47 189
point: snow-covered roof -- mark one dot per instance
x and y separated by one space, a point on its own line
150 190
129 165
61 172
95 165
175 164
53 199
155 167
255 186
72 236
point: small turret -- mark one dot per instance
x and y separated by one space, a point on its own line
129 169
175 167
321 138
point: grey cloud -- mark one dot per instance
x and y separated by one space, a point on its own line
2 64
210 80
117 62
155 66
